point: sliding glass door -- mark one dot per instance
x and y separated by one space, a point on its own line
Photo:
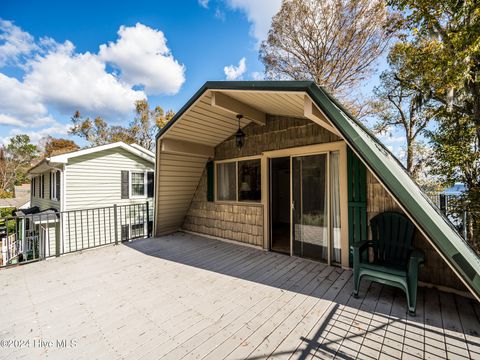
316 207
310 206
305 198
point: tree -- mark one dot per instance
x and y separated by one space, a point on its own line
98 132
405 109
56 146
456 162
147 122
334 43
15 159
141 130
441 43
445 52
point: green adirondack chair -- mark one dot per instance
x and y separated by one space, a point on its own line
395 261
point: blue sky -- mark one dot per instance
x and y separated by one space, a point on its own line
100 56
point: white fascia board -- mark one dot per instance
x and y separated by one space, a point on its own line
63 158
141 148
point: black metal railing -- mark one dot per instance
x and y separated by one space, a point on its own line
41 235
466 221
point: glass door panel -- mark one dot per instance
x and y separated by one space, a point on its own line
310 233
336 255
280 204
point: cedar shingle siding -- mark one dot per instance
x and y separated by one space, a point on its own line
280 132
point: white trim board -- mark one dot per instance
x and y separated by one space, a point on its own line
144 153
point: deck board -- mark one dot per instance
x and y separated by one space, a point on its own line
456 345
188 297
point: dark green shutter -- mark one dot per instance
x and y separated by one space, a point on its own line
124 184
357 199
210 181
43 186
150 184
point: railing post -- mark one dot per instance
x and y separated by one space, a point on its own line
58 231
148 220
115 223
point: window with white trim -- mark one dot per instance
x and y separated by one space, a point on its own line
141 184
55 185
137 188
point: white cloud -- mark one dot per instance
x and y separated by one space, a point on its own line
56 77
203 3
10 120
30 123
256 75
15 43
19 104
55 129
233 72
259 14
143 58
70 81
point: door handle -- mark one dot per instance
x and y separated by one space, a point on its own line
293 205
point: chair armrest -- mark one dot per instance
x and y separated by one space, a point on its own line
361 245
358 249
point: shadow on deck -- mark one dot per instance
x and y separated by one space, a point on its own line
336 324
183 296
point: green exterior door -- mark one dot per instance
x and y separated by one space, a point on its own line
357 200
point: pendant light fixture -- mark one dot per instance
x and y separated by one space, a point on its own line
239 135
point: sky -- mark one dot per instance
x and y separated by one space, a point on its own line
98 57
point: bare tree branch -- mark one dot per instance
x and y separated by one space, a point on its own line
334 43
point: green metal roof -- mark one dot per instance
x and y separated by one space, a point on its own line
383 163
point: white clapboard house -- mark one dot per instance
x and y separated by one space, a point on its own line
73 197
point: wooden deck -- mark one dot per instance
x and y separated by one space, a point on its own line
187 297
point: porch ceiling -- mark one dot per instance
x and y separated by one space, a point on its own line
210 125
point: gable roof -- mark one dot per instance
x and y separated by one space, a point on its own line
383 164
134 149
50 162
16 202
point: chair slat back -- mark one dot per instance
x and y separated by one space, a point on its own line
393 235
